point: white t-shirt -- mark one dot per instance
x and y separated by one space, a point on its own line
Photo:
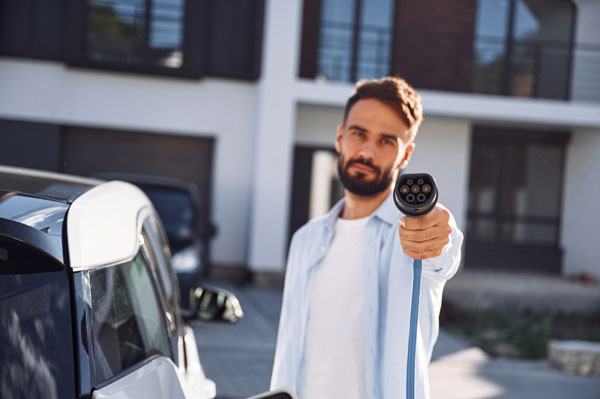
335 338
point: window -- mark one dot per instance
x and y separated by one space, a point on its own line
36 334
163 37
515 189
136 32
158 251
128 326
146 36
523 47
36 359
355 39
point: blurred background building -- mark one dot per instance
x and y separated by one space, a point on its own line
242 98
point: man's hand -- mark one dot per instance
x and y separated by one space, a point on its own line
425 236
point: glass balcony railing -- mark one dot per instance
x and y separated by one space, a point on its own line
346 55
483 64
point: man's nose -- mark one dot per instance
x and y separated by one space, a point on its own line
367 151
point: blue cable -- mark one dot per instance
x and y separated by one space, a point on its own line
412 335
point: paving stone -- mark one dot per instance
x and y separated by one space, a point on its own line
576 357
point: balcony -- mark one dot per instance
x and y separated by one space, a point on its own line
475 64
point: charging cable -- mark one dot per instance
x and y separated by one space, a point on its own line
415 195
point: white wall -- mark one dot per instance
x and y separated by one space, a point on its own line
580 236
224 109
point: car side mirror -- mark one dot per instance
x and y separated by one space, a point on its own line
277 394
213 304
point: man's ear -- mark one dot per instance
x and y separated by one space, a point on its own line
338 139
407 154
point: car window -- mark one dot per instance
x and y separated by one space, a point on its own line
127 324
36 334
159 249
176 210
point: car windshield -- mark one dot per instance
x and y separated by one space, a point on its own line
176 211
36 334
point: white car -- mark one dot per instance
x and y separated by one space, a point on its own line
88 299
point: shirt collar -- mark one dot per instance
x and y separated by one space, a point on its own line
334 213
387 212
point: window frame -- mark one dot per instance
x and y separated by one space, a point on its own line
511 42
356 27
193 47
157 272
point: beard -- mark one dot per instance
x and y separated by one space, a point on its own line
358 184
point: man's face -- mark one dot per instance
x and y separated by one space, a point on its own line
372 147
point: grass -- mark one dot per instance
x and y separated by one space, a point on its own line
524 335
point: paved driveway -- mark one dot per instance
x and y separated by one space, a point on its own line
239 358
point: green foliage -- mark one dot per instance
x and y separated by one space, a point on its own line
524 335
104 20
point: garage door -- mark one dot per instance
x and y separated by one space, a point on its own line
87 151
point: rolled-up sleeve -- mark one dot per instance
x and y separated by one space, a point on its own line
444 266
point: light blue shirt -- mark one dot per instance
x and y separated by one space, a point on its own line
387 282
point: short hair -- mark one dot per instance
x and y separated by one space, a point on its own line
394 92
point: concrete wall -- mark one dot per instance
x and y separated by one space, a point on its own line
223 109
580 235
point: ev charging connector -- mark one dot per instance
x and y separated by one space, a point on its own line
415 195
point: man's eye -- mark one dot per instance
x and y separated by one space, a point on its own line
358 133
387 141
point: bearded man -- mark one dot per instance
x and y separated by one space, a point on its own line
344 326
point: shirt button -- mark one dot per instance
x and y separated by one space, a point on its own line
322 248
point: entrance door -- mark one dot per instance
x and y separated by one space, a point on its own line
315 187
515 191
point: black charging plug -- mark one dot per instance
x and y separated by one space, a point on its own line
415 194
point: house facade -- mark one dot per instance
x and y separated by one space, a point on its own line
243 98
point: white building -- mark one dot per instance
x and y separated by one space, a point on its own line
511 93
